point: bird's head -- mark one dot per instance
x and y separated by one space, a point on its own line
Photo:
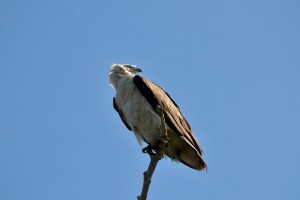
124 69
127 68
132 68
118 71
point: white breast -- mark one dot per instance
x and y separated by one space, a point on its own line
139 114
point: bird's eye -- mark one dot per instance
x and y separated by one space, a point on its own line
128 66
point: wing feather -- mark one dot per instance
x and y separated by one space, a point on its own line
121 114
155 95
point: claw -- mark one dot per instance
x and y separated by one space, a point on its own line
149 150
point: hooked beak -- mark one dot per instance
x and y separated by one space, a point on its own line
139 69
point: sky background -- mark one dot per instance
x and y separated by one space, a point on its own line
232 66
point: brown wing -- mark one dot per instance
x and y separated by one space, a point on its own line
155 95
121 114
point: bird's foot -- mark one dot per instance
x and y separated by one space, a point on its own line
149 150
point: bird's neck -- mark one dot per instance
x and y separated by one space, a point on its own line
116 78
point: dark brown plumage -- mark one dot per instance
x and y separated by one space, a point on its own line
155 95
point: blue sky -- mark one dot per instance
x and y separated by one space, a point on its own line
232 66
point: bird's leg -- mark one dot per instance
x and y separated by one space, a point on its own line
163 140
152 149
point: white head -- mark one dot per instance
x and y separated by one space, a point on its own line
118 71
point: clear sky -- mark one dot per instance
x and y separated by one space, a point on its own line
232 66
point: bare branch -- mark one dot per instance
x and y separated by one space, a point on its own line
156 156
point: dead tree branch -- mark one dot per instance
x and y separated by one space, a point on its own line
155 157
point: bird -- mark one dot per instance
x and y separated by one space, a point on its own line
136 101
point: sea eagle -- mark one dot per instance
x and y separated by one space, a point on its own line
136 101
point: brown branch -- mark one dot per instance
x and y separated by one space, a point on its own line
156 156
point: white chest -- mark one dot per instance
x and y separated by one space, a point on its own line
139 114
